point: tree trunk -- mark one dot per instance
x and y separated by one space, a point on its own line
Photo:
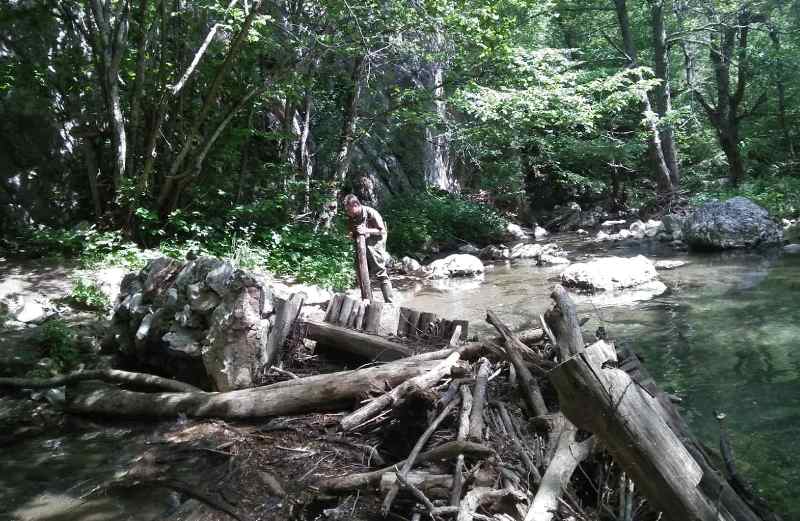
609 404
657 155
662 94
138 88
170 189
780 87
334 391
349 121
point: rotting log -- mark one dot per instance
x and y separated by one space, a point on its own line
436 486
328 392
530 388
463 432
377 405
445 451
285 317
659 410
713 483
371 347
606 402
106 375
476 424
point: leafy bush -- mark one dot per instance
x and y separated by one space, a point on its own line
416 222
315 258
60 344
88 295
779 194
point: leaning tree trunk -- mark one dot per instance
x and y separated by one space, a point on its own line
662 94
655 146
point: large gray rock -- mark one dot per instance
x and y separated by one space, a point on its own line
456 265
515 232
736 223
493 252
609 274
201 321
792 233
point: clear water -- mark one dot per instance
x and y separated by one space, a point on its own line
61 478
725 336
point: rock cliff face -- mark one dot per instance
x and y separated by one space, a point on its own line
736 223
202 321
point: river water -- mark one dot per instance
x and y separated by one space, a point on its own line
725 336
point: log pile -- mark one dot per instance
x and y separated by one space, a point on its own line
549 428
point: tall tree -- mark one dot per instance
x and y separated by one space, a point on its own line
663 173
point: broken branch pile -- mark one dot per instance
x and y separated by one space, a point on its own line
545 429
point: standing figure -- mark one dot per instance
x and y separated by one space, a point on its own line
366 221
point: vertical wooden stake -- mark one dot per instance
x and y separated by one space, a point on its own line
363 270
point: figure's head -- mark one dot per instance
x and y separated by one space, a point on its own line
352 205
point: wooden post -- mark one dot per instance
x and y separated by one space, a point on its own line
363 269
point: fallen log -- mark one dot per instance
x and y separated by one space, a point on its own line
421 382
530 388
105 375
476 424
569 454
371 347
445 451
654 411
435 486
463 432
334 391
606 402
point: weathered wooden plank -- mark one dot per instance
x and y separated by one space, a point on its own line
371 347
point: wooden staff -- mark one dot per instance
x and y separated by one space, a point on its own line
363 270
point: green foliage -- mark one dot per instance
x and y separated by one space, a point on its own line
60 344
87 294
415 223
779 194
316 258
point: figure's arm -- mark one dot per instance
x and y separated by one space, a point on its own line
380 228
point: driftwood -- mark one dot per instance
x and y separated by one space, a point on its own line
476 424
533 472
568 455
334 391
530 388
605 401
423 381
435 486
105 375
463 432
445 451
371 347
412 457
